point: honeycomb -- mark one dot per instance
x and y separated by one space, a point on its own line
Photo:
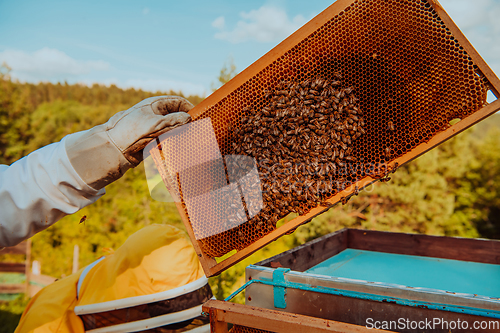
409 73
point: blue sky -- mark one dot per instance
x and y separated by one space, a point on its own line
179 45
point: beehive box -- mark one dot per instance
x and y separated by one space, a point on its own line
368 278
364 87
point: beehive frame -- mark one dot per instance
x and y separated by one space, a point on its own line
444 79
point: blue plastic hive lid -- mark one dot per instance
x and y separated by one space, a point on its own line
413 271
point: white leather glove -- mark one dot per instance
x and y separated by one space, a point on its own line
102 154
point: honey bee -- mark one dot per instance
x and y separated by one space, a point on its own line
385 179
83 219
356 190
388 152
390 126
395 167
325 204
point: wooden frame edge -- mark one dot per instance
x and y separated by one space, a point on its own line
209 264
222 313
273 54
214 269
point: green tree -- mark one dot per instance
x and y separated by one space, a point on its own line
227 72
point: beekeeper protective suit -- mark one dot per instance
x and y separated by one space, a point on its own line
152 283
66 176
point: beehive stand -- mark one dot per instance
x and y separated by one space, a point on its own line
418 80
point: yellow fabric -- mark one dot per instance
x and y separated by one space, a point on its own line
154 259
51 309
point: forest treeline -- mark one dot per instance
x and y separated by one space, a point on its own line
453 190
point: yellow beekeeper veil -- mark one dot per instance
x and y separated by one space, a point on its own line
153 282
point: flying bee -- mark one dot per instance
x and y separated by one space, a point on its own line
390 126
83 219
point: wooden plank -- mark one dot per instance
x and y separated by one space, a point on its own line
12 267
27 268
216 326
465 249
276 321
310 254
12 288
18 249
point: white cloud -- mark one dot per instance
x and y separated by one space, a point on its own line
219 23
47 64
266 24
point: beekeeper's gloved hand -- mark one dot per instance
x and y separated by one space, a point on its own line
102 154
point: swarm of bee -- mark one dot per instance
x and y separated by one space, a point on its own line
302 140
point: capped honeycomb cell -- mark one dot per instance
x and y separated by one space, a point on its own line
366 86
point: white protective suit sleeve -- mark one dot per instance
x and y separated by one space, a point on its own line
64 177
38 190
